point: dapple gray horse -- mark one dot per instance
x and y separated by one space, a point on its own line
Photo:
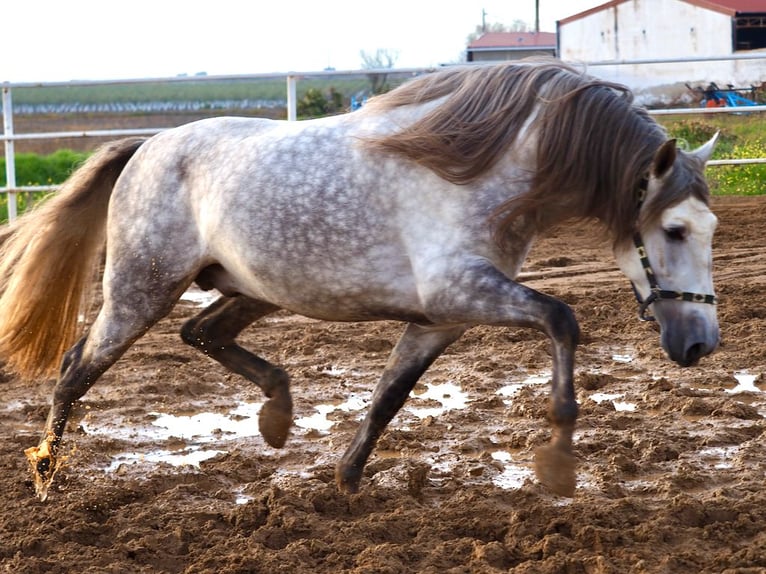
420 207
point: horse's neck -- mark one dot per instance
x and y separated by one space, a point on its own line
391 120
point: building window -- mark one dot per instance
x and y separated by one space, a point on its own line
750 32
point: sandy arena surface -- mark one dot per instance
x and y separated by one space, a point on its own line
167 472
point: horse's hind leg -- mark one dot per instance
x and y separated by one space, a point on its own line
117 326
213 332
416 350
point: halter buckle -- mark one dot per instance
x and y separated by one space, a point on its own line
643 306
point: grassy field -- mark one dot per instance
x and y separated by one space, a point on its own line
189 90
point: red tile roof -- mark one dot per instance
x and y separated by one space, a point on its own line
739 5
514 40
731 7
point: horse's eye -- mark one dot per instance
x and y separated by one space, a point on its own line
676 233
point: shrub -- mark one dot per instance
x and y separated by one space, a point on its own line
33 169
315 104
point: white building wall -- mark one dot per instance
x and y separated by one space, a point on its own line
658 29
646 29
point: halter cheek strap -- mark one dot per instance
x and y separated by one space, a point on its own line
655 293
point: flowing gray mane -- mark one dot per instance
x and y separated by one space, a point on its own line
594 145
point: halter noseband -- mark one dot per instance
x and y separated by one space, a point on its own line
655 293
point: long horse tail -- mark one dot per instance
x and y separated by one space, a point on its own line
48 260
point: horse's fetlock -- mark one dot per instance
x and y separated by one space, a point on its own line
563 413
277 383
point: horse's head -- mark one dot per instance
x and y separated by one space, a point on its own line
670 259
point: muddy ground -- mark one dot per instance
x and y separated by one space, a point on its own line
672 462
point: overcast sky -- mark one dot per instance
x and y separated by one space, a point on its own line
53 40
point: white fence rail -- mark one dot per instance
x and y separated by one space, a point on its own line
9 136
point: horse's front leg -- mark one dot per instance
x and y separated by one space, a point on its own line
480 294
417 348
555 463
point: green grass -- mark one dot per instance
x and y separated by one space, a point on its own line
151 92
742 137
33 169
24 201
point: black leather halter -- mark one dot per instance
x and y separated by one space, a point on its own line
655 292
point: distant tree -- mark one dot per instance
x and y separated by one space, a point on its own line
380 60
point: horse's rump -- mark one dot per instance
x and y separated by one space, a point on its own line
47 261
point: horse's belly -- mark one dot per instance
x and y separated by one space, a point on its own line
322 292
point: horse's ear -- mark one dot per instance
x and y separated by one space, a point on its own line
664 159
705 151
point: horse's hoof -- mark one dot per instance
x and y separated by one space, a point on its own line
44 466
347 479
555 469
275 420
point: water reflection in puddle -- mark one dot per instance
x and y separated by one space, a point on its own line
721 455
197 430
191 456
512 389
200 429
206 427
745 384
449 395
513 475
319 420
240 497
199 297
618 405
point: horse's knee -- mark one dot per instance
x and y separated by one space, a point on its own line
562 324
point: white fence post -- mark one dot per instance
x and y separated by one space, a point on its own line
10 155
292 102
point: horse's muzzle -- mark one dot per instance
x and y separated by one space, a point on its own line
687 337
